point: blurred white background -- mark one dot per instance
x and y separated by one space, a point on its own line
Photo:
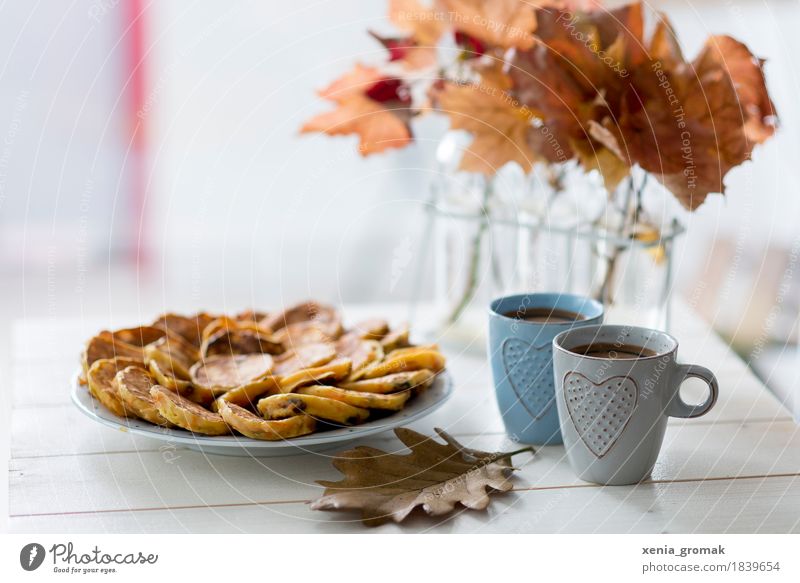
150 160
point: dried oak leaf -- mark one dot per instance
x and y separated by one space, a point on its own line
433 476
369 105
498 124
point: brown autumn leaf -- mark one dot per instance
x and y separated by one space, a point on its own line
433 476
498 124
610 165
690 125
747 74
664 45
561 77
606 89
369 105
623 25
502 23
493 74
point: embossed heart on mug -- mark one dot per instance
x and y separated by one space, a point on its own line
600 411
529 370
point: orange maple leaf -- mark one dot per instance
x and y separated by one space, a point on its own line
380 125
425 25
407 51
498 124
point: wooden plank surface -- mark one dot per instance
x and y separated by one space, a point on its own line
753 505
735 470
165 478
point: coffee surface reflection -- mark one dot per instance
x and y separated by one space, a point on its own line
545 315
614 351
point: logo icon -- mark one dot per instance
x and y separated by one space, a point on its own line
31 556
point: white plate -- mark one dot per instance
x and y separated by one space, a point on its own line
418 407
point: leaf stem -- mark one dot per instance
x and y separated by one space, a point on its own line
510 454
630 217
474 262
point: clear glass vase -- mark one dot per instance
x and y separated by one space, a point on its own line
616 247
476 244
555 251
633 242
556 229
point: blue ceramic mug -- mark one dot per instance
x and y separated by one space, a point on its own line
521 332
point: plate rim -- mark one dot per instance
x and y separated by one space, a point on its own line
243 442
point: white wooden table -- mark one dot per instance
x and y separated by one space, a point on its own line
735 470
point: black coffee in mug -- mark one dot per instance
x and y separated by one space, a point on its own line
612 427
614 351
545 315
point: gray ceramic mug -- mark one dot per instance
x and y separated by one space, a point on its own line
613 412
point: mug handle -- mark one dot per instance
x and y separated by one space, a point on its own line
678 407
